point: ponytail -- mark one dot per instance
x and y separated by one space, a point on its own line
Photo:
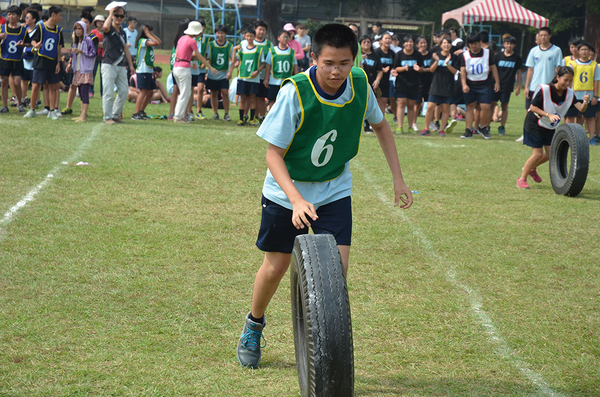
562 70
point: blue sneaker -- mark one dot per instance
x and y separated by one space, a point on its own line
597 138
593 142
248 350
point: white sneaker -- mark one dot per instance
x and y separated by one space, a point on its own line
52 115
432 126
57 113
415 127
30 113
43 112
519 139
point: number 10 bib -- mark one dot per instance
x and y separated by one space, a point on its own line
477 67
329 134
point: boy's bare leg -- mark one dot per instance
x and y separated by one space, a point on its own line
225 96
267 279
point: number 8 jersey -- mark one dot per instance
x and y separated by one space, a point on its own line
9 50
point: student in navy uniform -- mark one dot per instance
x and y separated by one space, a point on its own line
372 67
31 19
425 78
12 36
408 63
48 40
509 65
386 59
441 93
281 63
478 72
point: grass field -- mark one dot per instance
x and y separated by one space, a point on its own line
131 275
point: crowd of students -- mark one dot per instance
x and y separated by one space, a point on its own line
458 80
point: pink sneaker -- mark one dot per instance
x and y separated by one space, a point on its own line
442 133
534 175
522 183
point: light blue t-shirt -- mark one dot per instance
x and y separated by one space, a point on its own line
544 64
273 80
131 40
279 128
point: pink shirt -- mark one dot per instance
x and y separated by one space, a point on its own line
297 47
185 47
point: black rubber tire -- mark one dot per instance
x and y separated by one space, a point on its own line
321 318
568 179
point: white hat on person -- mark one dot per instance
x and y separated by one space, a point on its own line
194 28
99 18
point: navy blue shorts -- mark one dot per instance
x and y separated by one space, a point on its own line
277 233
415 96
273 91
502 96
217 84
536 141
27 74
247 88
589 112
479 94
195 80
439 99
263 91
41 76
145 81
201 79
392 93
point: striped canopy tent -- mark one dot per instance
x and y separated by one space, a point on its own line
495 11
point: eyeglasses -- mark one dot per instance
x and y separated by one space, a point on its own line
342 68
119 15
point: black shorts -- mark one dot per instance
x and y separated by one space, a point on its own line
536 141
217 84
502 96
263 91
273 91
195 80
8 68
201 79
27 74
277 233
247 88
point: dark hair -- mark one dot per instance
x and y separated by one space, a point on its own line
221 28
446 32
353 24
45 15
473 37
365 37
54 10
446 39
282 31
131 19
88 17
260 23
87 10
510 39
250 30
76 39
407 38
36 7
484 35
437 34
157 69
34 14
561 71
183 25
546 29
14 10
142 33
201 20
585 44
334 35
453 29
460 45
420 38
574 41
378 24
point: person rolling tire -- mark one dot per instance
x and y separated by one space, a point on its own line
568 177
321 318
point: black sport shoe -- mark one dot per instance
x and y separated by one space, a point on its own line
136 116
249 346
485 132
468 133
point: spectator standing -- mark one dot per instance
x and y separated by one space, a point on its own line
408 63
304 39
359 56
99 33
372 67
541 63
83 56
377 33
294 44
386 59
145 70
115 61
509 65
132 36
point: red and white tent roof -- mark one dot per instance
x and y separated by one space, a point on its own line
495 11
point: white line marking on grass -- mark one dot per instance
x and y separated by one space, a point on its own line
475 301
12 212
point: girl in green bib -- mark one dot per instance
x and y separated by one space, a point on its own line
146 42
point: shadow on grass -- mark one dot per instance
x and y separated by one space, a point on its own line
393 386
589 194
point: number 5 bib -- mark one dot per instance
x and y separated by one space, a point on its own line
329 134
